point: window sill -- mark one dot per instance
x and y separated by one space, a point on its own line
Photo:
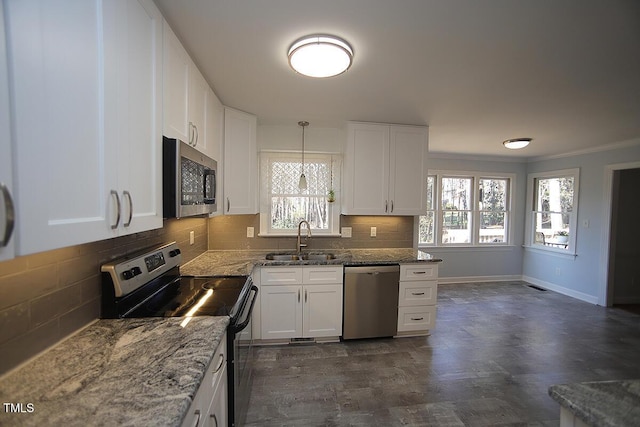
456 248
561 253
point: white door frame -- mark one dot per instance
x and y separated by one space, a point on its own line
609 170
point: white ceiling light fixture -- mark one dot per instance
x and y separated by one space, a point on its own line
320 56
302 184
516 143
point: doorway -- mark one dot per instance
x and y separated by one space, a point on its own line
623 278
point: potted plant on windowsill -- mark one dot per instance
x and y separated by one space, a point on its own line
563 236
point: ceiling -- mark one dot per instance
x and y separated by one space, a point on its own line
564 72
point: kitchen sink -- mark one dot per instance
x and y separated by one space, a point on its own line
302 257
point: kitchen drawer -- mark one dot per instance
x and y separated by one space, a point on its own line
321 274
280 276
416 318
422 271
424 292
213 373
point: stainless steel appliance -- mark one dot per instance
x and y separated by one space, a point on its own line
189 180
370 301
149 284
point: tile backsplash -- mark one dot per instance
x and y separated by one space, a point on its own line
230 232
47 296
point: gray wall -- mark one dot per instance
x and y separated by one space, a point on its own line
487 263
580 277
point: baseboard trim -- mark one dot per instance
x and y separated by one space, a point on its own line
591 299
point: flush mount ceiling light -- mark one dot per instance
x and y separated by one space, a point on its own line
517 143
320 56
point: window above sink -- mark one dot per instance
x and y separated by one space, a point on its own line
283 205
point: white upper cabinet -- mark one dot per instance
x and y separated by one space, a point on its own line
214 137
189 103
240 163
6 187
408 170
86 103
136 122
385 169
176 65
198 89
214 129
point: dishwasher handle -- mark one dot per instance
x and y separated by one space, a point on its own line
372 269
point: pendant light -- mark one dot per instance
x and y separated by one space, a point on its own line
302 184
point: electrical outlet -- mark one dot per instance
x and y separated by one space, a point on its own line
558 271
192 237
374 231
249 231
345 232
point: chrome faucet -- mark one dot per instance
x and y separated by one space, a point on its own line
301 245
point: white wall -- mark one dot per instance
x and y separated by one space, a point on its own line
329 140
582 276
487 263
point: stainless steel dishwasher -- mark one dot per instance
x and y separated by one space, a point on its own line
370 301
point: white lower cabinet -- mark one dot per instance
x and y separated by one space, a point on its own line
209 406
418 298
301 302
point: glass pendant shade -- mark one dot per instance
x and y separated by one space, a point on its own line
302 183
320 56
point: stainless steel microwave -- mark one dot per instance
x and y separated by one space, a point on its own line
189 180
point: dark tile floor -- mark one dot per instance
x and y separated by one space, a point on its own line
495 350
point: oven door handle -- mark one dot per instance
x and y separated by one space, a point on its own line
240 327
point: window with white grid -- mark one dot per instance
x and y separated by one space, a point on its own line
283 204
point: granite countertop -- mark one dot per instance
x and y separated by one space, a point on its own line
125 372
601 403
241 262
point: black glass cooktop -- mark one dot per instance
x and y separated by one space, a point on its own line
206 296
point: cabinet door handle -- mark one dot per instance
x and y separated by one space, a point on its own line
221 363
128 196
196 420
195 142
417 318
115 193
417 293
386 206
392 206
228 204
298 295
215 420
306 294
419 272
191 134
9 212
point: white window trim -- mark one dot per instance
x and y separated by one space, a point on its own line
573 220
265 204
475 212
